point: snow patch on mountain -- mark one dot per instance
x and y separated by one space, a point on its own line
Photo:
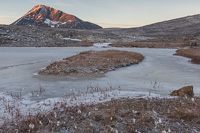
53 23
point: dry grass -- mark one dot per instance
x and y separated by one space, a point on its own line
93 62
193 53
145 44
165 42
150 43
124 115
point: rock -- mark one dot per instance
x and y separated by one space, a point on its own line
193 43
184 91
174 93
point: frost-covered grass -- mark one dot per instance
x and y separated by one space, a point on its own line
93 62
97 110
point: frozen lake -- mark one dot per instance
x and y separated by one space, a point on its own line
160 72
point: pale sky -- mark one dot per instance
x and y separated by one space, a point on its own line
106 13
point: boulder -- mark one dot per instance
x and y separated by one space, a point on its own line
184 91
193 43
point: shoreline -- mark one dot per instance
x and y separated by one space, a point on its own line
147 112
192 53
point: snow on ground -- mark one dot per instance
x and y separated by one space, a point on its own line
101 45
70 39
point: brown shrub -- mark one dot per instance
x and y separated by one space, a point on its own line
93 62
193 53
184 113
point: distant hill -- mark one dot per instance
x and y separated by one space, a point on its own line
189 25
45 16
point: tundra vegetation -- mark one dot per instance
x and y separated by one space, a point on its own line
93 62
193 53
148 114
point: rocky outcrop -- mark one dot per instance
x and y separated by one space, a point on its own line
184 91
45 16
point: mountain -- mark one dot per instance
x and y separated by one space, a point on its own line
189 25
42 15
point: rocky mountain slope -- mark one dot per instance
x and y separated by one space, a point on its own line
189 25
173 33
32 36
45 16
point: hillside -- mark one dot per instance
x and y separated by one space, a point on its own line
189 25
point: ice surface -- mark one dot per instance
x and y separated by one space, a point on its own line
159 73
